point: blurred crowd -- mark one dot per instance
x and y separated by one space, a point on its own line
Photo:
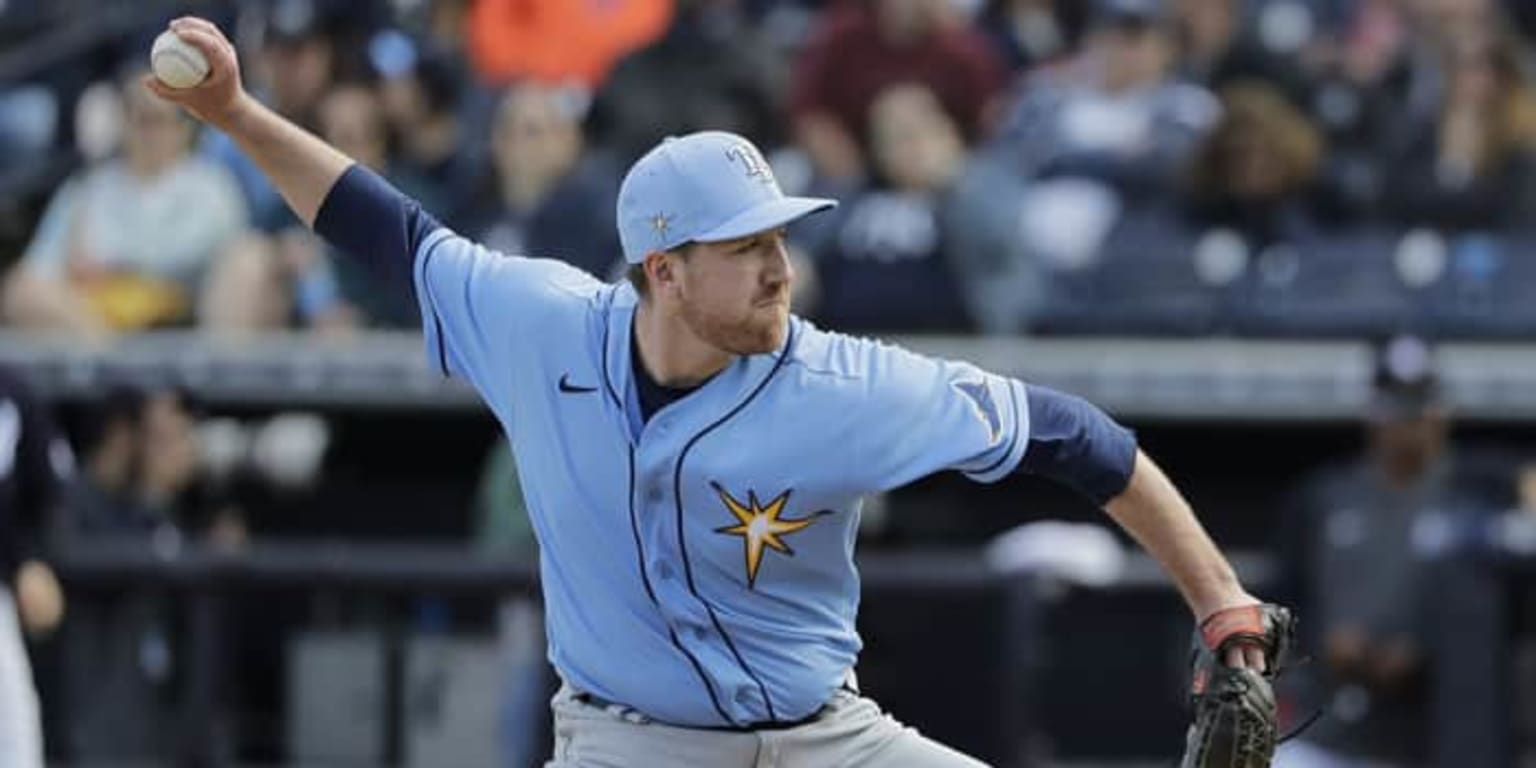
1005 166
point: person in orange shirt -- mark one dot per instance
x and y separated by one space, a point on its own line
559 40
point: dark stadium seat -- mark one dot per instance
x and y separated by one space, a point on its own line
1485 289
1337 284
1143 282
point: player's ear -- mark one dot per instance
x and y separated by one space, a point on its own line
660 270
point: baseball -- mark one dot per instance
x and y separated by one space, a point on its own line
177 63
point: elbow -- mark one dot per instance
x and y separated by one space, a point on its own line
1077 444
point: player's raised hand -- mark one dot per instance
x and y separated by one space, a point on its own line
217 97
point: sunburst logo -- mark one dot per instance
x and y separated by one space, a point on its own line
760 526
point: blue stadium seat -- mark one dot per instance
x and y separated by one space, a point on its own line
1333 284
1486 289
1142 283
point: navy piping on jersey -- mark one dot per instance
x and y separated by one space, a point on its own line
677 498
645 578
1013 439
634 528
607 381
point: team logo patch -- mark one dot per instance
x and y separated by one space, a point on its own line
751 162
980 396
760 526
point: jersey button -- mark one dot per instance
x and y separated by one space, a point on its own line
664 571
700 632
653 494
743 695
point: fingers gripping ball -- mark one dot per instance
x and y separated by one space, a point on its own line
177 63
1235 716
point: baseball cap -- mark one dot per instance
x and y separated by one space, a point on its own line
1405 383
703 187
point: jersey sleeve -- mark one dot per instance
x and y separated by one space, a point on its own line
926 415
477 306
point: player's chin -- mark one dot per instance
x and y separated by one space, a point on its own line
763 335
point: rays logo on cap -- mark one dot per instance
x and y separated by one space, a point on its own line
751 162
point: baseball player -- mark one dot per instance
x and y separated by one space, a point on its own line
35 463
693 456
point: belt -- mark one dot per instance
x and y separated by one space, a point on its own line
761 725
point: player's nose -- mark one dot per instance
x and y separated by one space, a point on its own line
778 269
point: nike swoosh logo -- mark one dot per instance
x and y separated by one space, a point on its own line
567 386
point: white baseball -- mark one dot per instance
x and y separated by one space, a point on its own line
176 62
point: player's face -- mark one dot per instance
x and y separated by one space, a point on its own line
735 294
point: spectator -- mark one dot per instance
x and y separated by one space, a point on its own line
1365 535
1115 114
140 459
352 118
294 63
1216 50
859 50
1386 70
886 265
559 41
1254 173
117 250
1029 33
421 92
710 71
548 196
1472 167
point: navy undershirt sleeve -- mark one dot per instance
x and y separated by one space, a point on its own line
1073 442
374 223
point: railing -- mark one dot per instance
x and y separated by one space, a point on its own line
1472 697
1206 380
206 579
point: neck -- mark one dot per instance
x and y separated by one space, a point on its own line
671 353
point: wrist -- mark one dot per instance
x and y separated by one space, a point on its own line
1219 596
233 118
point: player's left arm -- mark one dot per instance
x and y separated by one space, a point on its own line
1076 443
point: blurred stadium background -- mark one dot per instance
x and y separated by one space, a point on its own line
1292 242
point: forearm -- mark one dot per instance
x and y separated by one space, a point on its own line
301 166
1153 511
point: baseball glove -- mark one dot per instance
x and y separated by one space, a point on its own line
1234 709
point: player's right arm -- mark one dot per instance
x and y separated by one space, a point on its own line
469 299
301 166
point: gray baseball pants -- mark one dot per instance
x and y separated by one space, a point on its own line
851 733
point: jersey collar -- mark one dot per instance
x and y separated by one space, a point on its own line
721 395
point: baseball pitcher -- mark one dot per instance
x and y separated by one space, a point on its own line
693 455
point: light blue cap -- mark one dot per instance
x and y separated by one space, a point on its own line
703 187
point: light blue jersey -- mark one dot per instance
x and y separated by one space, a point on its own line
699 566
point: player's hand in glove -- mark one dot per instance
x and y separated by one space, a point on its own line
1234 701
